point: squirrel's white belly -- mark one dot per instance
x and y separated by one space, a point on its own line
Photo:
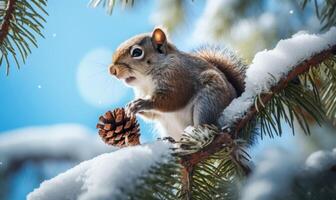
172 124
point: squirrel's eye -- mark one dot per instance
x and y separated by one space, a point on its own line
137 52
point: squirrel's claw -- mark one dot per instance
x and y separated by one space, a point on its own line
138 105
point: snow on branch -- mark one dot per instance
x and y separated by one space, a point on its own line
20 22
107 176
269 73
66 141
270 66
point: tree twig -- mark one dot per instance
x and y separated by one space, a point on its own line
299 69
186 173
226 138
5 25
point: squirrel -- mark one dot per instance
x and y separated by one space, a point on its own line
174 88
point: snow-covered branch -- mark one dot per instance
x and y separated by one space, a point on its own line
269 73
107 176
271 70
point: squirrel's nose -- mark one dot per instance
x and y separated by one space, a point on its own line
114 70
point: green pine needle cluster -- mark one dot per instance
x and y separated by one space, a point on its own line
196 139
217 177
311 97
162 183
328 88
325 12
21 22
109 4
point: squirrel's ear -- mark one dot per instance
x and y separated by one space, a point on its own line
159 40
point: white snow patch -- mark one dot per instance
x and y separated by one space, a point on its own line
245 28
277 169
211 20
269 66
259 190
218 20
103 176
321 160
271 175
64 140
2 5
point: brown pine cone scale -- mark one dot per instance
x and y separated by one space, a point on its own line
117 129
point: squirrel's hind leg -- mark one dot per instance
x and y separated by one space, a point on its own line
215 95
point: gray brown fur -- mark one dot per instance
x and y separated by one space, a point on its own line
178 89
227 62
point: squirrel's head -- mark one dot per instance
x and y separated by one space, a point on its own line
135 58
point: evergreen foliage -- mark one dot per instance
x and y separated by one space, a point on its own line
109 4
162 183
325 11
21 21
328 88
217 177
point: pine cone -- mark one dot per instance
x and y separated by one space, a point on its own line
117 129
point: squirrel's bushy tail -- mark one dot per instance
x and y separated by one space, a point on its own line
227 62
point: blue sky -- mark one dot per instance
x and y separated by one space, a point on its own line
45 90
48 90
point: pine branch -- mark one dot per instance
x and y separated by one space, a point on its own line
215 176
328 90
162 183
283 83
227 136
9 14
20 21
186 179
109 4
325 12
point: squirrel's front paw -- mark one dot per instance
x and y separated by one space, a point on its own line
138 105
